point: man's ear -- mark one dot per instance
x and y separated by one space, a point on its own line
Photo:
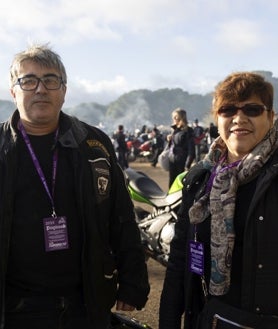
12 93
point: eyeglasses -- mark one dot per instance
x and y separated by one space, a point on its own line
50 82
251 110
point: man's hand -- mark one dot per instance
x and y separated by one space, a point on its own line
121 306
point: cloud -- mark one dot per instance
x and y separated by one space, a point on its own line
184 45
102 92
131 44
72 21
119 83
239 35
109 18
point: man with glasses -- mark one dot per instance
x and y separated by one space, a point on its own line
70 247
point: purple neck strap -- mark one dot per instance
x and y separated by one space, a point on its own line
38 166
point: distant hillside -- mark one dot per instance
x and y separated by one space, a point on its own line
154 107
140 107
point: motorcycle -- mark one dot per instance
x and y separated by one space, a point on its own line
137 149
133 146
156 212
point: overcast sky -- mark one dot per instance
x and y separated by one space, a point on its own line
110 47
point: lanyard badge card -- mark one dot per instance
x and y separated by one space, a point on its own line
196 260
55 233
55 227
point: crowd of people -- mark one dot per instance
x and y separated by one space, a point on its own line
188 143
70 246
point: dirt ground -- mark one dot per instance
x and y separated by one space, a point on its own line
149 314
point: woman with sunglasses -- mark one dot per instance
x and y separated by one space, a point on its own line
223 266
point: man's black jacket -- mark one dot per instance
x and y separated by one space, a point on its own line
113 263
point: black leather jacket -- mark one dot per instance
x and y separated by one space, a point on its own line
183 146
113 263
182 291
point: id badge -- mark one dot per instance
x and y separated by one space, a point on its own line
55 233
196 257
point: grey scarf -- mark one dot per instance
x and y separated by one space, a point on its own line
219 202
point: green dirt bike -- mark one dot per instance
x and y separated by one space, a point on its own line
156 225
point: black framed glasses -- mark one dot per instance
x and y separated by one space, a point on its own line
31 82
251 110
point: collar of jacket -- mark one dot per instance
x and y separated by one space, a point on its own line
71 131
196 176
176 128
268 172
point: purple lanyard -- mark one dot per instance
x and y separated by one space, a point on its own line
214 172
38 167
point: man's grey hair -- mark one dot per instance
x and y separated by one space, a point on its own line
40 54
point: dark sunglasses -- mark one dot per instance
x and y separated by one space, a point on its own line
251 110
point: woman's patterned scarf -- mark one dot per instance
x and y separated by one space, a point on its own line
219 202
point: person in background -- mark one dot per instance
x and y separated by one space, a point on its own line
70 246
199 135
211 134
157 141
144 134
223 269
122 149
181 144
213 131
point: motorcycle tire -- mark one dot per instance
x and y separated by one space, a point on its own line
122 321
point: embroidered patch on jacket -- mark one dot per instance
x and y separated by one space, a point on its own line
101 178
102 184
96 143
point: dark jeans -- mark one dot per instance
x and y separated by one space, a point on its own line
122 158
156 152
175 168
46 313
197 152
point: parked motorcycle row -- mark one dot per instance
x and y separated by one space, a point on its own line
142 148
138 149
